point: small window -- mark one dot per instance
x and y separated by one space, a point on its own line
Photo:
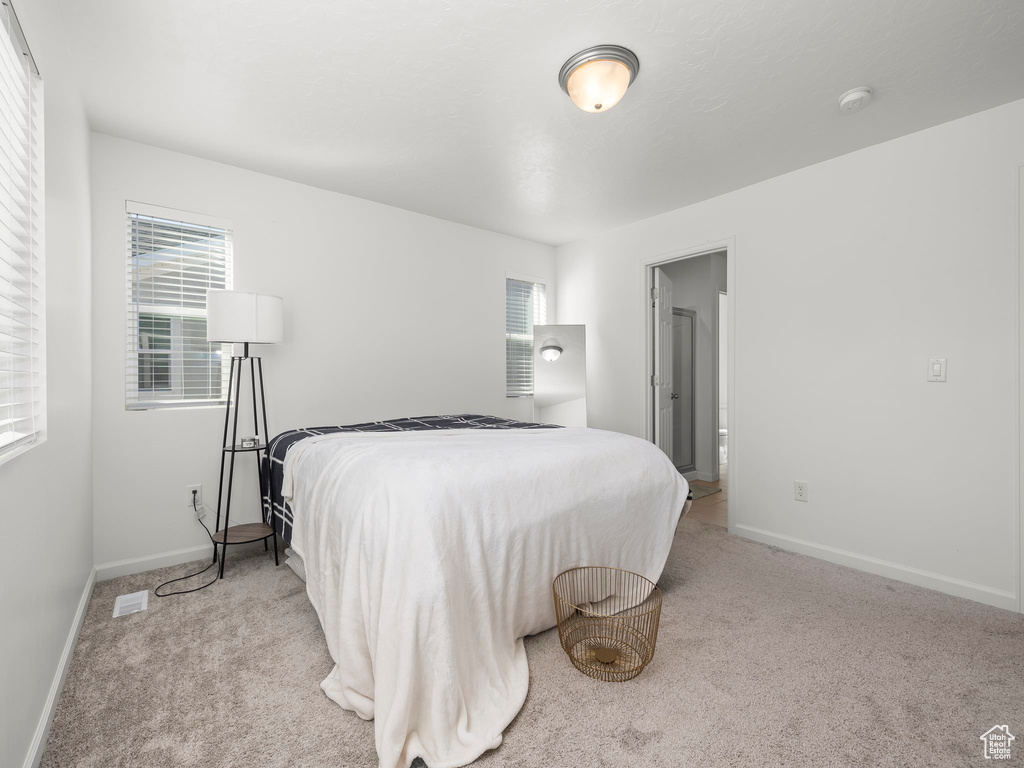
22 312
174 258
525 306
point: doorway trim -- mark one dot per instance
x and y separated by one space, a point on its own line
692 314
1019 383
717 390
646 421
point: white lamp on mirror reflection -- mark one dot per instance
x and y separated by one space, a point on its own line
551 350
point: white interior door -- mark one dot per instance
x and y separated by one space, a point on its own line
684 405
662 380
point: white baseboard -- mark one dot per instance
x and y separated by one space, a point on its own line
38 743
149 562
916 576
163 559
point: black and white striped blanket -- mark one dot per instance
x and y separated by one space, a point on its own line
276 511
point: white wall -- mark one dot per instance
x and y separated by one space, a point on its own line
848 276
387 313
695 285
46 493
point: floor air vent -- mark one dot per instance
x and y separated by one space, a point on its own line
133 603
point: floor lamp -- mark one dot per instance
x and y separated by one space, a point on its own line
234 317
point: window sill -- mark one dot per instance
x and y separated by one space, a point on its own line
174 406
11 453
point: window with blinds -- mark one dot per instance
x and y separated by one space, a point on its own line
22 364
174 258
525 306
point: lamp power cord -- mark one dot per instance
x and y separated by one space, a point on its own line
195 506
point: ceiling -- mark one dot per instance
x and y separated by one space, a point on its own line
452 107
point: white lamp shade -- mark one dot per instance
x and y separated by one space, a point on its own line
237 317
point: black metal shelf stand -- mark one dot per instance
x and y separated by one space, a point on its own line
248 532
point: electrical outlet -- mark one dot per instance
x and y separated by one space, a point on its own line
801 490
199 496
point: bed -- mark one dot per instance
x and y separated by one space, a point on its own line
429 546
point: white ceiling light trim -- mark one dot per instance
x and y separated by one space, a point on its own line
596 79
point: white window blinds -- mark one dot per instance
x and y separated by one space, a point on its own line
525 306
22 358
174 258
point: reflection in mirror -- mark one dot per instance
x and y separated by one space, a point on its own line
560 374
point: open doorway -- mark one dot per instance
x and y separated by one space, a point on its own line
689 413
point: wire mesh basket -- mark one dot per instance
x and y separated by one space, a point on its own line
607 620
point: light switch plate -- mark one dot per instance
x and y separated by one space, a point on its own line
936 369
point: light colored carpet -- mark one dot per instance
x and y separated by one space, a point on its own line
700 491
765 658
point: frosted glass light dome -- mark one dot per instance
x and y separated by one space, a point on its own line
551 350
596 79
598 85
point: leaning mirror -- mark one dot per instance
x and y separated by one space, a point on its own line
560 374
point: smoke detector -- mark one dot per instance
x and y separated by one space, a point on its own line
855 99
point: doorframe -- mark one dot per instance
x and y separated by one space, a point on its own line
1019 521
716 383
692 314
646 422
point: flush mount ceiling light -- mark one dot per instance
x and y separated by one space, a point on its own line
597 78
855 98
551 350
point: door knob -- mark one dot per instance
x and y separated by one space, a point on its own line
673 396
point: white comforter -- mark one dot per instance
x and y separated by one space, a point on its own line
430 555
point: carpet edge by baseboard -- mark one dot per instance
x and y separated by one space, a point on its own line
115 568
111 570
905 573
38 743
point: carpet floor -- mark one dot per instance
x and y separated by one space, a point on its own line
765 658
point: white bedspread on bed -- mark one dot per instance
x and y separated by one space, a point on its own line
430 555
